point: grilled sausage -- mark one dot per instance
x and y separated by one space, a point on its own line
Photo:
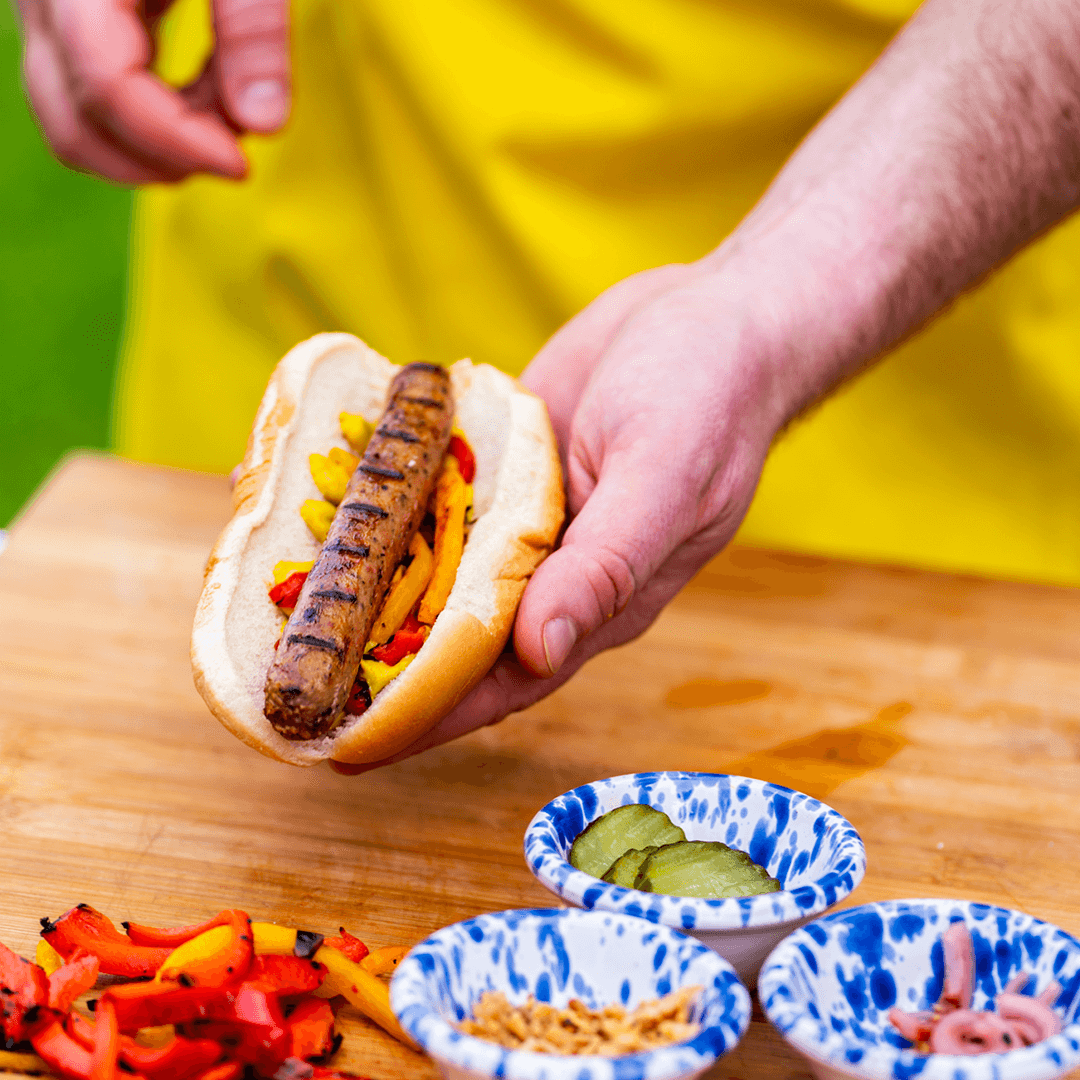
312 675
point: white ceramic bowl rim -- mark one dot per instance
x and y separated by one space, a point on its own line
790 1012
552 831
425 971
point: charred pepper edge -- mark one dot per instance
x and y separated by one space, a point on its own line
307 944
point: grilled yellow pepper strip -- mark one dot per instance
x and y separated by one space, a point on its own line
271 939
285 569
378 675
155 1037
362 987
365 991
206 944
330 478
384 961
404 593
357 431
450 502
343 458
17 1062
47 957
317 515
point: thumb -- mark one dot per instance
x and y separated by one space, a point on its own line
625 531
252 61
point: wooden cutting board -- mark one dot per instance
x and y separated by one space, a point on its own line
940 714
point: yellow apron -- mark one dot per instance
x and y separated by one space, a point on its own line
458 178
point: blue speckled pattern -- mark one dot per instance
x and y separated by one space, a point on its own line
829 986
556 954
814 852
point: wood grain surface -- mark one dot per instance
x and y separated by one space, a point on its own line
940 714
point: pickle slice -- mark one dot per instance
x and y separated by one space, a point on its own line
619 831
623 871
703 868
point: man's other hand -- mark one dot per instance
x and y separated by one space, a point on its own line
102 110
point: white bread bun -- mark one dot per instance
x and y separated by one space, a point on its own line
517 500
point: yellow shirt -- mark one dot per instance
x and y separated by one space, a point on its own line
458 178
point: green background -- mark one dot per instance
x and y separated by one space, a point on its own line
63 256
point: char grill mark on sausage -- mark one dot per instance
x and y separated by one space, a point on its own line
404 436
335 594
339 547
313 671
314 642
364 508
386 474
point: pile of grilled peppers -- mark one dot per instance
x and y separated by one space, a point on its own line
215 1001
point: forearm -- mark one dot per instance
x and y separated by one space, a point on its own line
958 146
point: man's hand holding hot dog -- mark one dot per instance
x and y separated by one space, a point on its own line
87 73
956 148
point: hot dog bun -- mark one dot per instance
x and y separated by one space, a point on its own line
518 503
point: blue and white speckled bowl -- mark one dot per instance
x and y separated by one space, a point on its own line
813 851
556 954
829 986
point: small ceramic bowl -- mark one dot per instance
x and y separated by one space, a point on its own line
829 987
814 852
556 954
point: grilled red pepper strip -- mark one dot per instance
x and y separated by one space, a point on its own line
227 1070
24 992
140 1005
152 1004
311 1029
465 457
359 699
227 964
254 1032
176 1060
80 1029
167 937
287 592
243 1015
284 975
84 928
71 981
64 1056
351 946
106 1049
408 639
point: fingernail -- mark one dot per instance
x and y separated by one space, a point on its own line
263 105
560 636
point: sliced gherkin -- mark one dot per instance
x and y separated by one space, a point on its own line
624 869
619 831
703 868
